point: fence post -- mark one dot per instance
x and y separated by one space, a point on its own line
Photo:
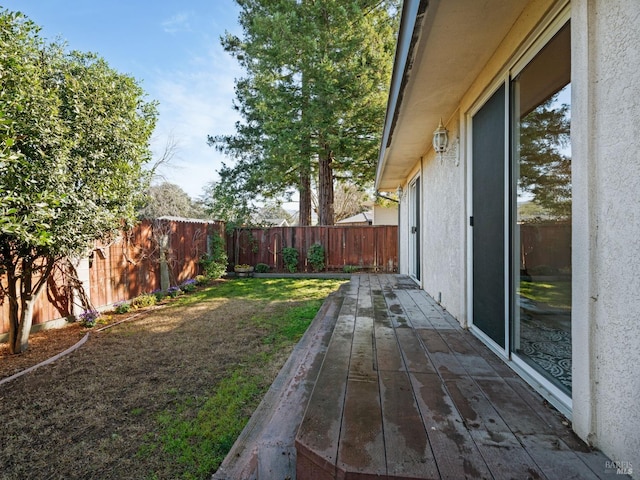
163 243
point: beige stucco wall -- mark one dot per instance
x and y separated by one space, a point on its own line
443 232
385 215
606 214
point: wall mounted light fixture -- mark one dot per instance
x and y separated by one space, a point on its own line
440 140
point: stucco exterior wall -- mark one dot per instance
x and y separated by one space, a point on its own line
444 227
606 215
385 215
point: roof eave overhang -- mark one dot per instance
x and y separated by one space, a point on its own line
442 48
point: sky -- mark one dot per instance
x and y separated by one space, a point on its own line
173 49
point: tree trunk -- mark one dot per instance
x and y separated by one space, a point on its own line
304 212
163 244
325 188
21 340
14 319
22 300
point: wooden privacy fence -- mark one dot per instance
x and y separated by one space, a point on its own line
125 268
371 248
133 263
545 246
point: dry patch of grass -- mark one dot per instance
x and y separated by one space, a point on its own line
160 396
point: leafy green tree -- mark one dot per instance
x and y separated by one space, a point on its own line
169 199
270 212
545 167
313 98
75 137
349 200
221 201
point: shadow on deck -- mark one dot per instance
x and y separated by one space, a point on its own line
385 384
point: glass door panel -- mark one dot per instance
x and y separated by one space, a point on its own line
542 236
414 229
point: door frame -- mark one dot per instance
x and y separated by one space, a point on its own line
414 199
556 18
500 83
557 397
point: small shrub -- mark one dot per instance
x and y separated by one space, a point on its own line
144 300
315 257
174 291
121 307
350 268
215 263
242 267
188 285
290 258
201 279
88 318
159 294
262 268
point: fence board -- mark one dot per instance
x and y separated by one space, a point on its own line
126 267
129 266
373 248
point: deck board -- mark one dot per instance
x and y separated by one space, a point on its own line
405 393
408 450
319 433
361 450
455 452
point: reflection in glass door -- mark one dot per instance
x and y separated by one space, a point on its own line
542 210
414 229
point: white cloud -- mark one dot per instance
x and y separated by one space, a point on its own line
195 103
177 23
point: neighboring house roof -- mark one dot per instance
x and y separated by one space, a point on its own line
365 218
442 48
275 222
187 220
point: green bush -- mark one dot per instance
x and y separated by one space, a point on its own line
542 270
290 258
122 307
159 294
215 263
88 318
144 300
315 257
174 291
188 285
350 268
261 268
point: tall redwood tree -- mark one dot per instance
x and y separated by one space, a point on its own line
313 97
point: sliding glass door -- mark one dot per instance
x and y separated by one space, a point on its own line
414 229
488 221
541 224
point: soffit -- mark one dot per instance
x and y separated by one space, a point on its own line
455 41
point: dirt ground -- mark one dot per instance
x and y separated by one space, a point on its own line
87 414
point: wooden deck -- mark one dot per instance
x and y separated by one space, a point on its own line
404 392
385 384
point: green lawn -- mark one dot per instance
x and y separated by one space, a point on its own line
198 433
555 294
